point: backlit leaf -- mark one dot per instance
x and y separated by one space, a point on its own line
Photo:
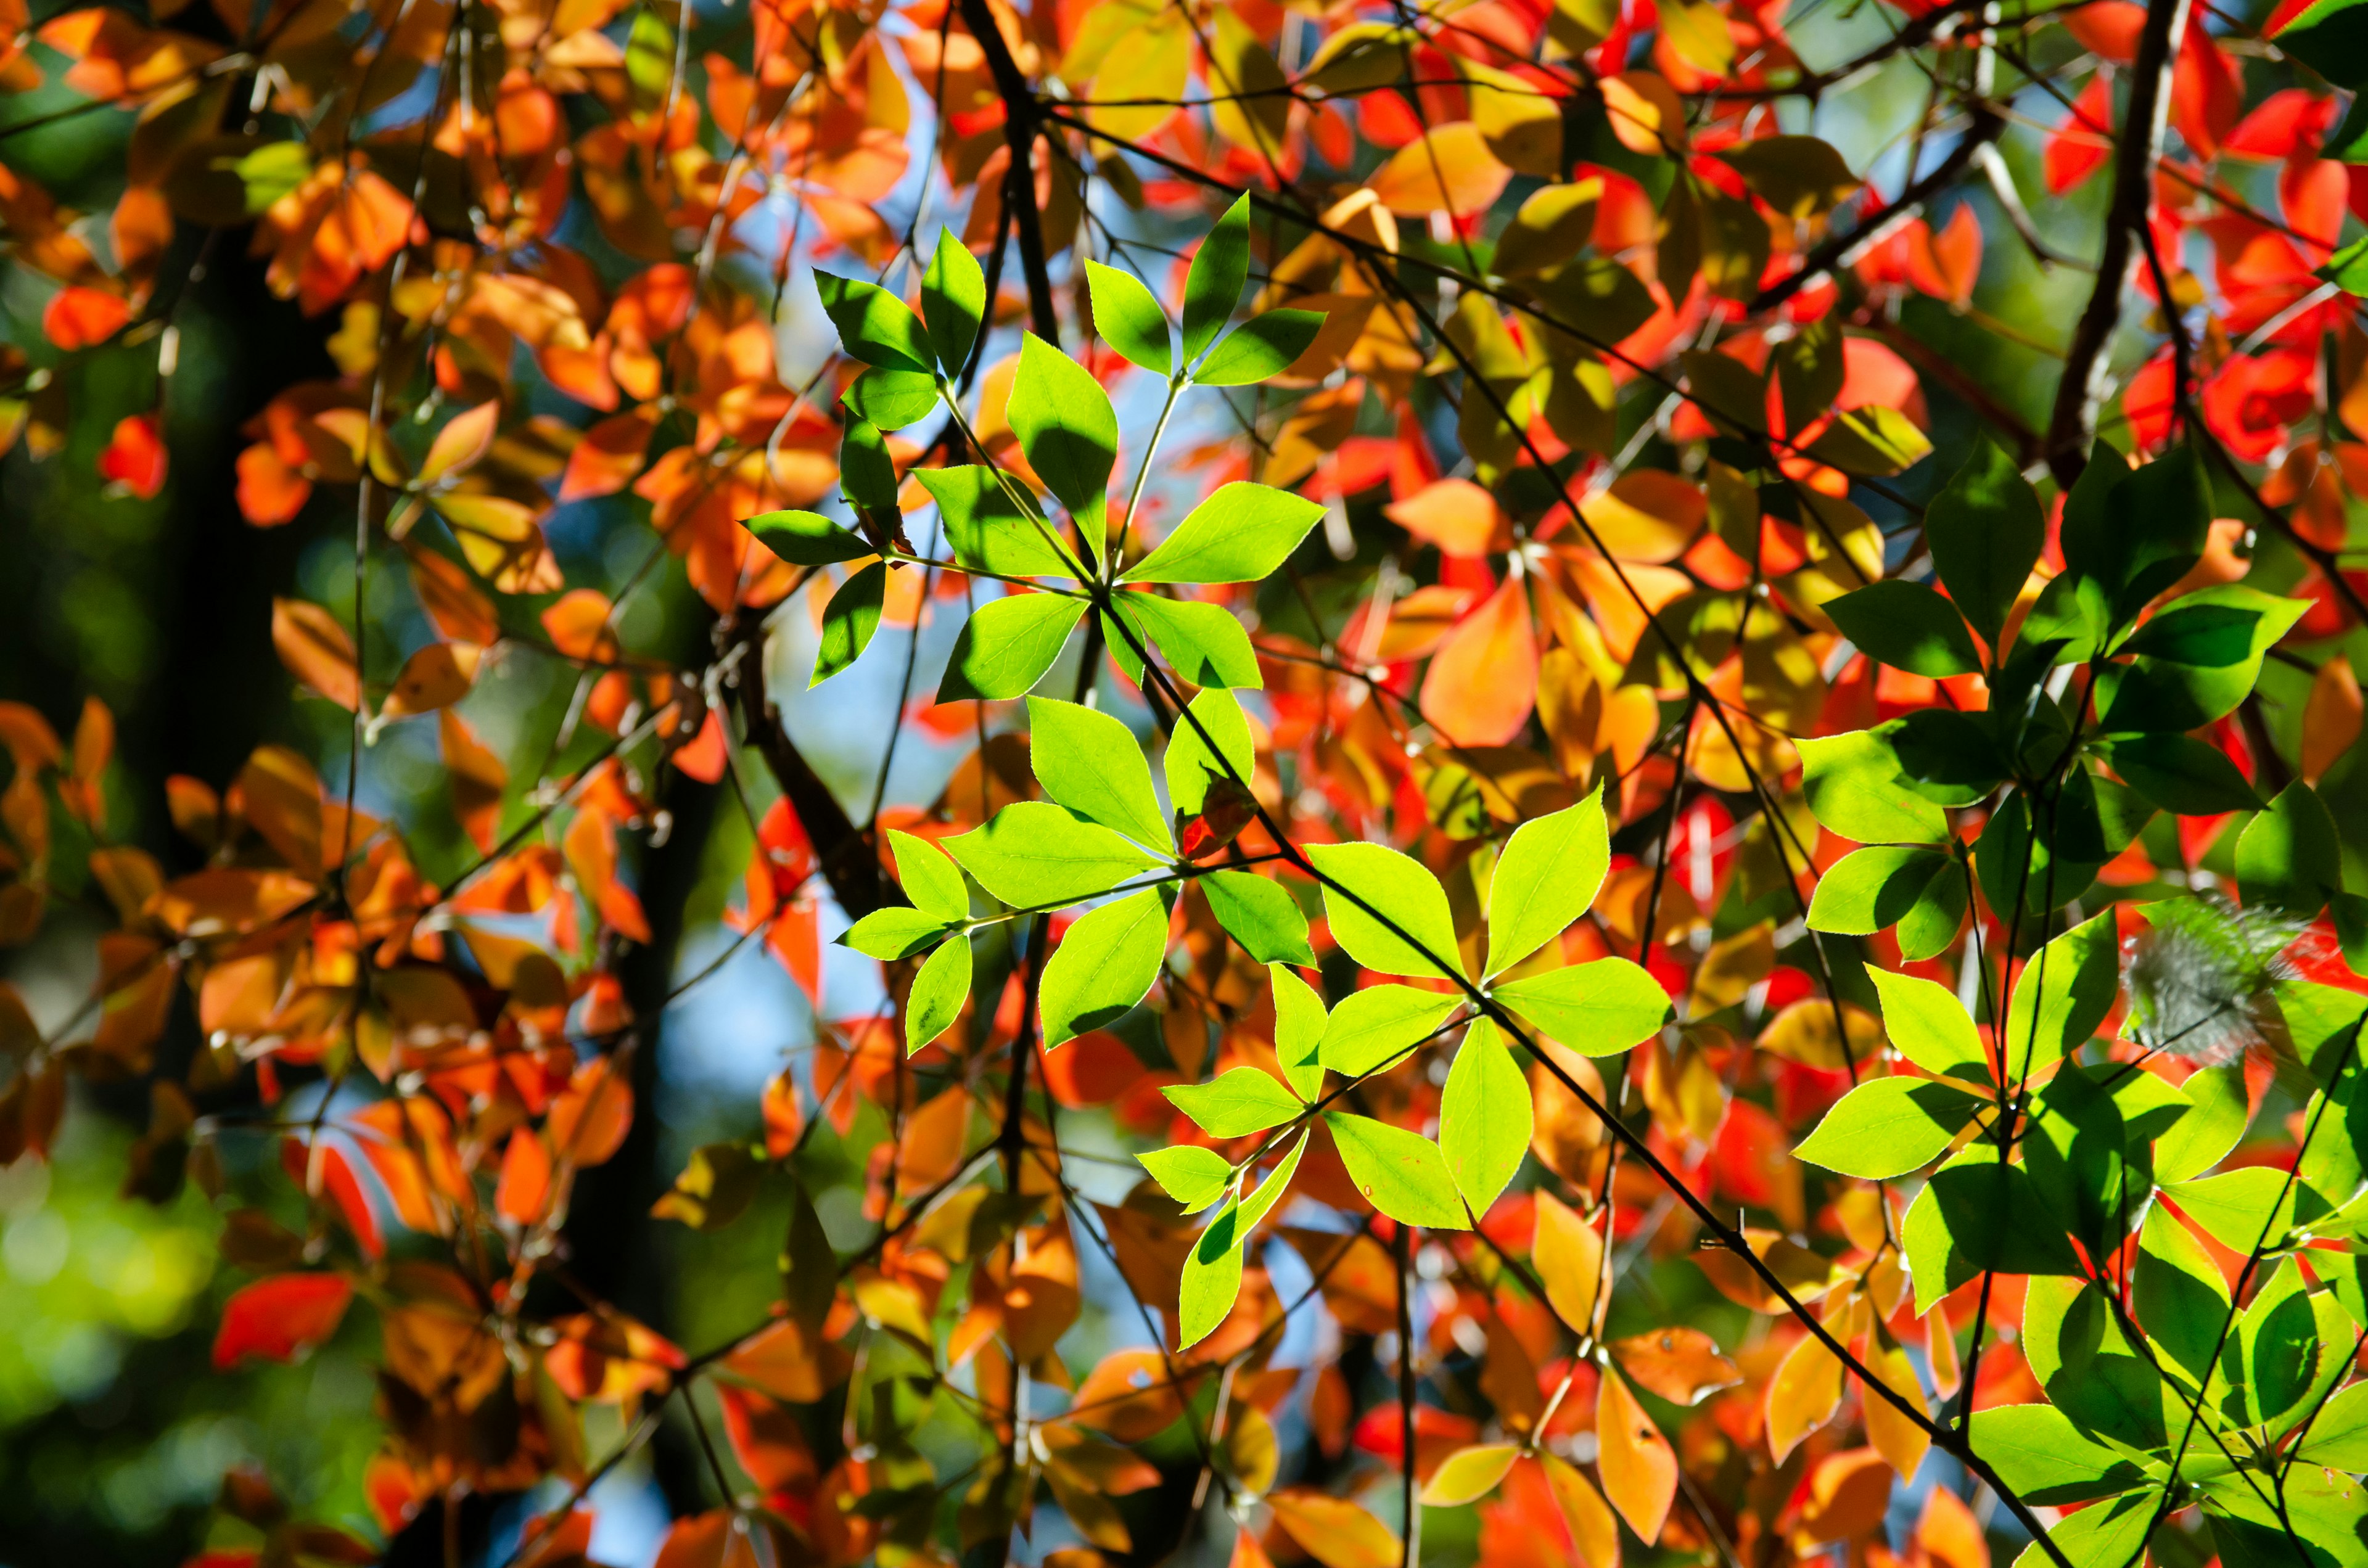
1402 1173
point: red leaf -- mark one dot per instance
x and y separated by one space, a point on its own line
1484 680
135 458
2081 144
270 492
77 318
277 1317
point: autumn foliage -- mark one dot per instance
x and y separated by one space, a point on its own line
1596 894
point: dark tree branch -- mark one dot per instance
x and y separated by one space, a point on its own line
848 859
1022 123
2074 422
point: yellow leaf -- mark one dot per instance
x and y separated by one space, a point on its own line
1802 1395
1568 1255
1334 1531
1590 1519
1469 1474
1450 170
316 651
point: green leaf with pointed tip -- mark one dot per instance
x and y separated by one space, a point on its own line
1598 1008
2289 856
1213 1279
2179 1295
849 621
1272 1192
1260 915
866 472
1067 428
987 531
2110 1535
2201 1138
937 995
1852 785
933 882
1875 887
1034 854
1190 1175
1129 318
1387 911
1092 763
1974 1214
2062 994
1242 534
1548 873
890 398
895 932
1907 626
1190 764
1264 345
1237 1104
953 300
1213 287
1485 1117
1929 1025
1402 1173
1378 1024
1986 530
1204 642
807 538
1887 1127
1298 1021
1104 967
2242 1209
1008 644
2339 1439
874 326
2198 658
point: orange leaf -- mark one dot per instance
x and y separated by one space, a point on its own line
1682 1364
1451 169
1640 1473
1849 1494
1592 1528
477 777
1484 679
452 601
1895 1436
2330 719
525 1188
1334 1531
1647 514
279 1316
1567 1253
467 437
316 651
578 626
1645 114
135 456
1456 515
270 492
1802 1395
77 318
436 675
589 1119
608 456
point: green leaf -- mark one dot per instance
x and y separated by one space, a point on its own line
2062 994
1242 534
1298 1021
986 529
1929 1025
2242 1209
849 621
1129 318
2199 658
2331 38
2317 1517
1378 1024
1191 765
895 932
2137 531
2078 1150
1213 1279
1986 530
1873 438
1190 1175
1548 873
2040 1454
1204 642
929 880
2201 1138
1974 1214
1402 1173
1485 1117
890 398
1878 886
2110 1535
274 170
1260 915
1853 787
1929 929
807 538
1104 966
2339 1439
1092 763
1949 758
1213 287
1264 345
939 989
1387 911
1239 1103
1598 1008
953 298
1067 428
1008 644
874 326
2347 269
866 472
1907 626
1271 1191
1031 854
2179 1295
1887 1127
2289 857
2269 1362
